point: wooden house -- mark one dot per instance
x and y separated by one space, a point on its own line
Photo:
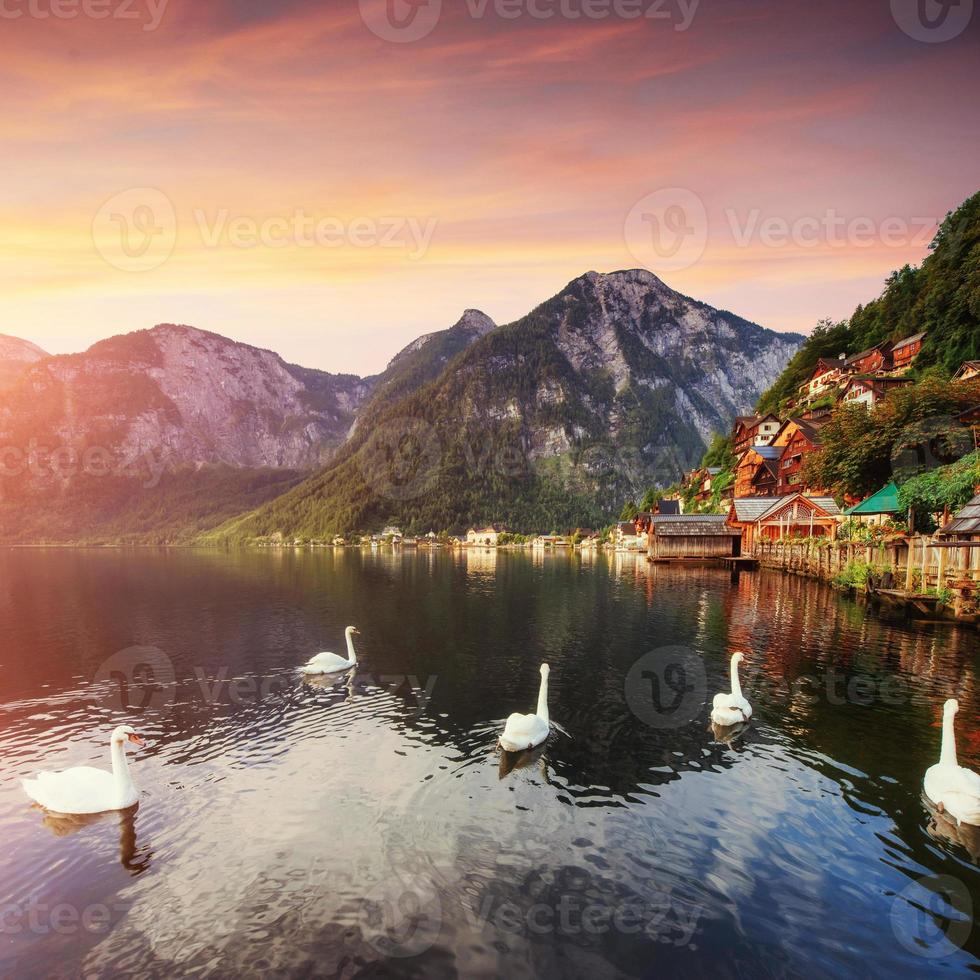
872 360
765 481
753 430
797 439
627 537
749 464
965 525
772 518
692 536
869 391
825 376
967 371
904 352
705 484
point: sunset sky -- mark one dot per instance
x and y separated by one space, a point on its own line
483 165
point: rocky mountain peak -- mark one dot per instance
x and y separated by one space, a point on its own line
475 322
22 351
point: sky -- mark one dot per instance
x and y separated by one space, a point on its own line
331 180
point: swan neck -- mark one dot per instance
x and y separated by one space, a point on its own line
543 698
351 654
736 686
120 770
948 755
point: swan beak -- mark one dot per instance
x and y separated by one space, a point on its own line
137 740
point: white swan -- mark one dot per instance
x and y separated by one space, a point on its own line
730 709
86 790
526 731
952 788
330 663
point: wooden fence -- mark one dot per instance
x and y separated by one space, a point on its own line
915 566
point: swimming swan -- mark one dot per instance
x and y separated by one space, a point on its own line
87 790
526 731
330 663
952 788
730 709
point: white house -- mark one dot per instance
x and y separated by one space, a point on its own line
485 537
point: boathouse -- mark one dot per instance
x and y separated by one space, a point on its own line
692 536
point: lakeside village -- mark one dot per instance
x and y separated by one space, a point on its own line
899 545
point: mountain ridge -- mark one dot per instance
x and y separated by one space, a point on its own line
615 382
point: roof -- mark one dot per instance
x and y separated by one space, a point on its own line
825 364
771 466
627 527
854 358
909 340
669 506
713 470
693 525
750 509
966 366
746 419
885 501
966 521
810 428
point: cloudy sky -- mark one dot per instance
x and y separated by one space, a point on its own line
332 179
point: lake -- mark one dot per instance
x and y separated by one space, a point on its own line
364 825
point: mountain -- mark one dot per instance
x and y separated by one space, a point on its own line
15 356
187 396
157 435
615 383
941 298
422 361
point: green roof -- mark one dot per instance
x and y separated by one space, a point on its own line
885 501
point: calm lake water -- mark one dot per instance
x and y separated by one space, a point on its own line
365 825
